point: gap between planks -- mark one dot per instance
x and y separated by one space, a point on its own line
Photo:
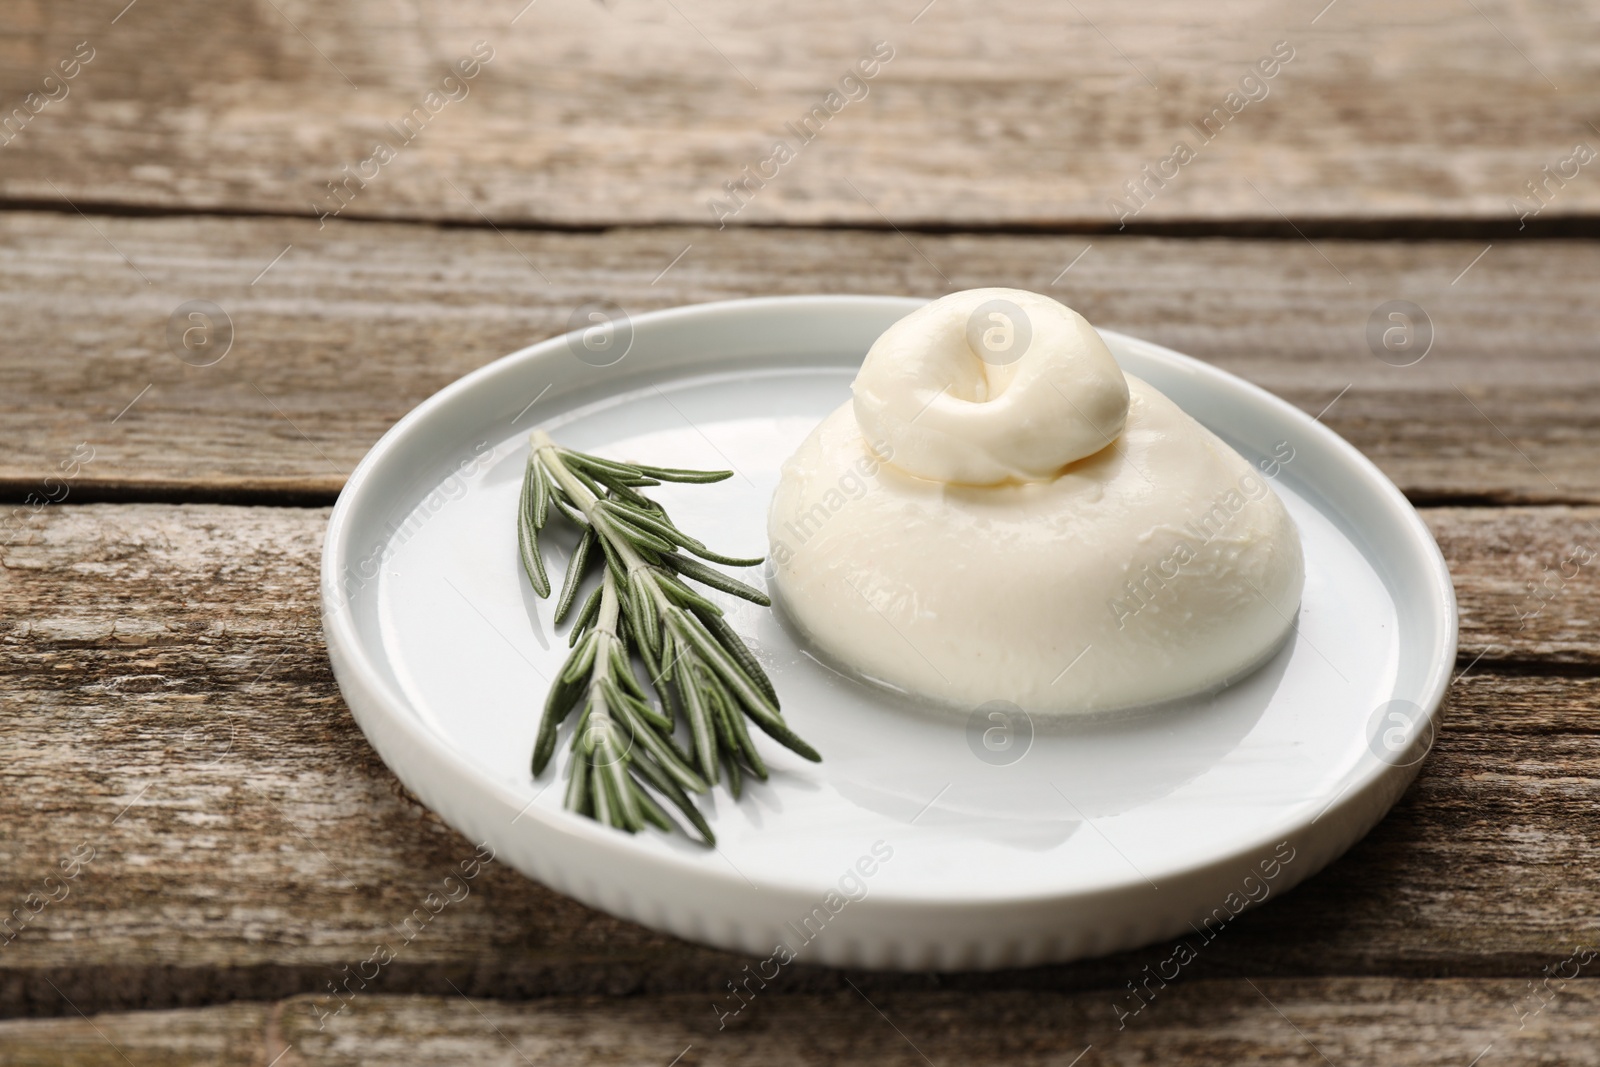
1290 229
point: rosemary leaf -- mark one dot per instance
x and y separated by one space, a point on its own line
582 658
764 713
623 488
598 463
644 617
644 539
573 514
574 577
670 474
586 615
564 696
727 561
679 799
718 659
714 706
624 703
650 809
660 752
627 681
779 731
578 787
619 788
690 567
618 567
541 487
700 725
742 744
588 482
600 796
659 525
528 533
741 653
685 597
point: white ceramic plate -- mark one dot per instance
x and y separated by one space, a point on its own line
921 841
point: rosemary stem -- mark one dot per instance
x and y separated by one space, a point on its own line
606 626
600 719
587 503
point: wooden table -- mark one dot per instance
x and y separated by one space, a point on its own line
174 740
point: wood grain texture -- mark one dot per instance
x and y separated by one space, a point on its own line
1015 113
1526 582
173 711
357 323
173 735
1351 1021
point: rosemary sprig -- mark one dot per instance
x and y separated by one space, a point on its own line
703 675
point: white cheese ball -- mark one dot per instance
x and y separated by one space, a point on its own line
1159 565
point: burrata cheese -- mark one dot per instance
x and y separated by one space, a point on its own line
1000 513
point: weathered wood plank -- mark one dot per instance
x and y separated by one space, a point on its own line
1014 113
224 1035
1403 1023
1526 581
171 709
357 323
